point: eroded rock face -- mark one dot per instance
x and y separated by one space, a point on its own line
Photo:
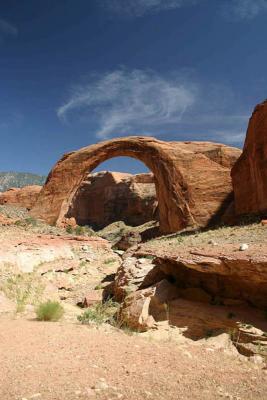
106 197
201 294
24 197
132 275
192 179
249 174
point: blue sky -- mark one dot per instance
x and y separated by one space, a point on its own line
76 72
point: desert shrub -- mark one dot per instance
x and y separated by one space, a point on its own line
99 313
69 229
49 311
86 231
110 261
27 222
23 289
80 230
148 257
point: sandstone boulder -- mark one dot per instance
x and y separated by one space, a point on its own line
128 240
91 298
24 197
132 275
143 308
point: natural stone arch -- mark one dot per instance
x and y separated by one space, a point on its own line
187 175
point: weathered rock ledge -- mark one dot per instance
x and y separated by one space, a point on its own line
201 291
221 271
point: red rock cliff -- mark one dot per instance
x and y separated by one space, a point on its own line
249 174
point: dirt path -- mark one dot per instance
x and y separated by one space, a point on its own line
63 361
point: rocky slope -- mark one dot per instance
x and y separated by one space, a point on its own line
200 285
188 283
19 179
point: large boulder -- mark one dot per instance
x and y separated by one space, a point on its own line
141 309
132 275
192 179
106 197
24 197
249 174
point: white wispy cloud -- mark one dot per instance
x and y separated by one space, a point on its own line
234 10
243 9
129 102
6 28
123 102
138 8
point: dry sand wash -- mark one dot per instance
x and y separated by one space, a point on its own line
55 361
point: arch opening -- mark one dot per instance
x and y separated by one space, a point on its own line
105 196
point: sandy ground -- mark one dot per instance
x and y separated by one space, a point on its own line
64 361
69 361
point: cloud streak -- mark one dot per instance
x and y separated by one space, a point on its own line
234 10
243 9
124 102
7 29
128 102
138 8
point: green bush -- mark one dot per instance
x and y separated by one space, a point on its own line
110 261
80 230
99 313
27 222
49 311
69 229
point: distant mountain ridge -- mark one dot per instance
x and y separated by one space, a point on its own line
19 179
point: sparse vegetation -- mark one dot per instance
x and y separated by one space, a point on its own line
109 261
23 289
248 326
49 311
80 230
99 313
250 233
98 287
148 257
26 222
69 229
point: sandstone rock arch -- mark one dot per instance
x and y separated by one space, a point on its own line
192 179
